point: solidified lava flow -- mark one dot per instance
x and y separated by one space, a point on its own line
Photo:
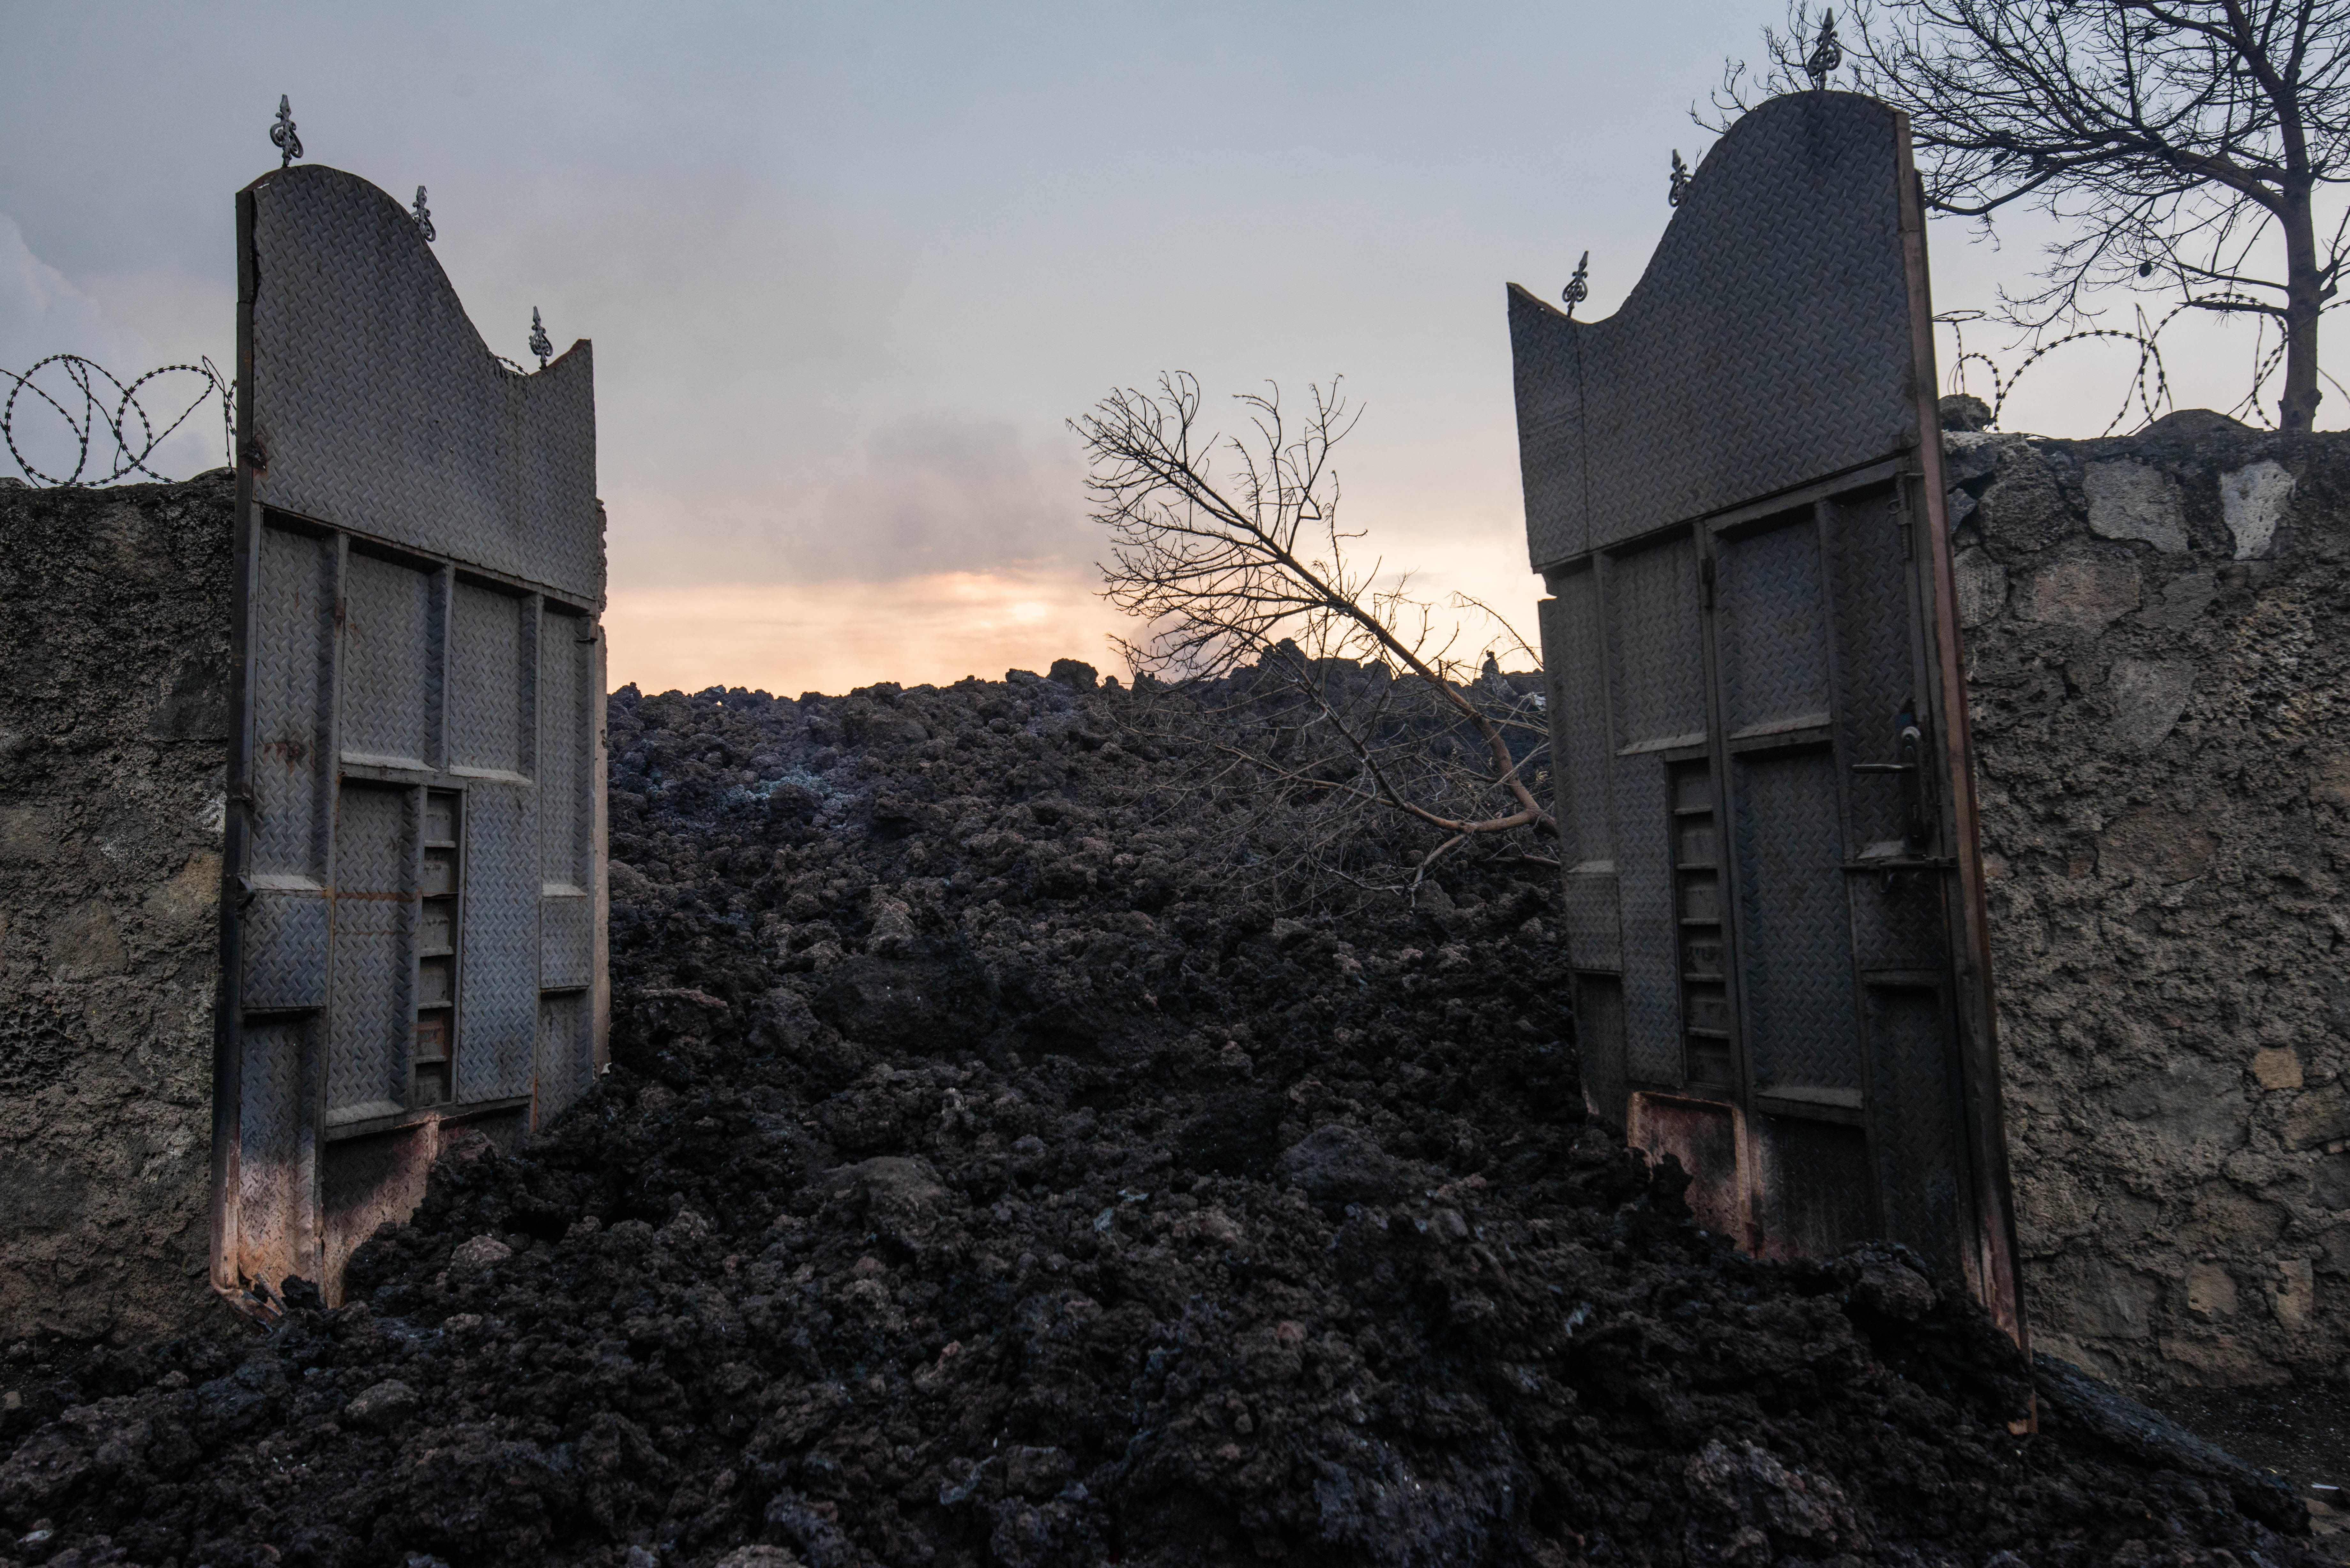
992 1170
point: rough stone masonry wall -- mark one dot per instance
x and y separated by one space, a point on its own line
2161 679
114 615
2156 650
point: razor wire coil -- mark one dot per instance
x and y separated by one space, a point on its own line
2150 383
114 434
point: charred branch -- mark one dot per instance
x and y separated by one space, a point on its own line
1230 550
2187 145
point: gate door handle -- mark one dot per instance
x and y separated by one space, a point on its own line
1911 743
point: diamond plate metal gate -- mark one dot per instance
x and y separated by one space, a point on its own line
1774 900
413 931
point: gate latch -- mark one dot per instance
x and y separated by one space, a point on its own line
1911 744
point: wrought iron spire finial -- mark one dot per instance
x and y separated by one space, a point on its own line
1826 53
1680 187
1578 287
281 135
423 216
540 344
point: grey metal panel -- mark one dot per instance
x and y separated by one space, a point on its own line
1655 666
1594 931
598 1004
363 1182
1547 380
1913 1100
488 664
565 739
1571 633
285 940
290 686
274 1171
1652 1008
1771 627
565 941
1779 349
372 1018
391 468
1768 342
1794 936
390 687
1876 661
1898 922
1599 1041
497 1000
1816 1195
565 1051
1656 649
377 407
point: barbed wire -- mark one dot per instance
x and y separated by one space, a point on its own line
2149 382
101 403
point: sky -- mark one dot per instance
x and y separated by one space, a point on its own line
850 269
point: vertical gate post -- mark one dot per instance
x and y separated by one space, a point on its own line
1773 889
1993 1242
412 898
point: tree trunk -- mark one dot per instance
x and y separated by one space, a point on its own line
2304 300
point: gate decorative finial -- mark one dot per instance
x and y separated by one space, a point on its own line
1578 287
1679 186
1826 53
540 344
281 135
423 216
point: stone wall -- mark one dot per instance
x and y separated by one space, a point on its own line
2160 668
114 618
2158 652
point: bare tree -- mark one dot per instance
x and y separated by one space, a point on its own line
2173 137
1230 551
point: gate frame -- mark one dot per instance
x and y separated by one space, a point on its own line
1999 1286
1912 462
254 516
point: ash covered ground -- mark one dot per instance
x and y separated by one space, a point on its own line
994 1170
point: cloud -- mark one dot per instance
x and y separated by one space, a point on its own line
938 496
42 313
915 497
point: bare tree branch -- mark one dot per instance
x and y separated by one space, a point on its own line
2174 137
1231 552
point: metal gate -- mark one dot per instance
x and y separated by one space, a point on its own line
1773 890
414 922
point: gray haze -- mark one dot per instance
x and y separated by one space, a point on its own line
848 268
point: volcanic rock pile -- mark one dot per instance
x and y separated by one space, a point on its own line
988 1175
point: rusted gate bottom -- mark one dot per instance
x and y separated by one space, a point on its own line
1778 1186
